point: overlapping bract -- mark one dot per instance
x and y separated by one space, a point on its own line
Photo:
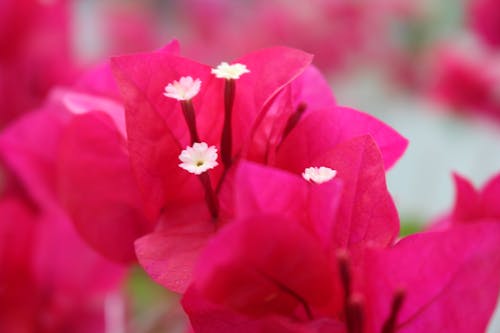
269 271
280 86
472 205
239 284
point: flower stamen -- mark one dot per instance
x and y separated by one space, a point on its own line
198 158
319 175
229 72
184 89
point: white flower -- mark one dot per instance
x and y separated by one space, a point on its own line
184 89
319 175
227 71
198 158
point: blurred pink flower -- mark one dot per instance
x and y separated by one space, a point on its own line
484 18
128 27
339 33
468 80
35 53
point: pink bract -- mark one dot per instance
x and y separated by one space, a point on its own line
333 211
472 205
264 269
51 281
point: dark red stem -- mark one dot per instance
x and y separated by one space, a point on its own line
227 135
189 116
290 292
353 304
397 303
294 119
354 315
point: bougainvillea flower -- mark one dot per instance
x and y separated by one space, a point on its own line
256 116
50 280
268 271
484 17
472 205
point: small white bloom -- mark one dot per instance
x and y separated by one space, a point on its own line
319 175
198 158
227 71
184 89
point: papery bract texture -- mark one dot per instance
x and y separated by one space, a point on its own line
472 205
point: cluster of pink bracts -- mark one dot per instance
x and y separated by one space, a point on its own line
245 188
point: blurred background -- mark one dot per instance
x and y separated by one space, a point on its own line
431 69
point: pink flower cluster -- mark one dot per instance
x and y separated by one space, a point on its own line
247 189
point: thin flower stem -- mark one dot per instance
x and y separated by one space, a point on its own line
293 120
210 197
227 135
345 275
353 303
397 303
189 116
355 315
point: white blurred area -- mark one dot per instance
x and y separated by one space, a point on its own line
441 142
